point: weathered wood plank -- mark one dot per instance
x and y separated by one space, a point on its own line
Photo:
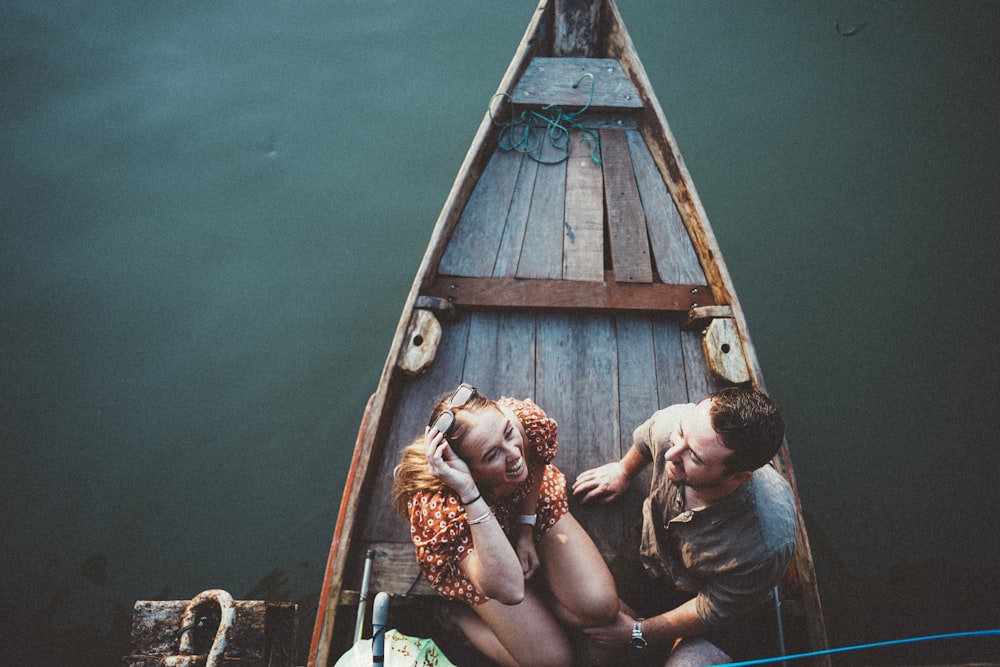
564 294
517 221
259 634
596 119
472 249
565 82
575 27
583 238
671 382
626 220
408 418
577 370
500 360
637 395
676 260
394 571
541 253
700 381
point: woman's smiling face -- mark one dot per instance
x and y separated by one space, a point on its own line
494 450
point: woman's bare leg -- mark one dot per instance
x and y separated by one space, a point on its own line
524 634
584 590
696 652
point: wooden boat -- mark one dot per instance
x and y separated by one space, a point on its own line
598 289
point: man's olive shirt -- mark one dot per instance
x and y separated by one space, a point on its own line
732 552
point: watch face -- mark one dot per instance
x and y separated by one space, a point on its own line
638 641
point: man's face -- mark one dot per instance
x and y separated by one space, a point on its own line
697 456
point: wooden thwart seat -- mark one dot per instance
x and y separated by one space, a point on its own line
566 82
510 293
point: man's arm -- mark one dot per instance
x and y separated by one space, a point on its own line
682 621
611 480
658 631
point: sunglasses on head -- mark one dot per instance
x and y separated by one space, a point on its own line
446 420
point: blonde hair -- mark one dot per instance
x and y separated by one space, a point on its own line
412 474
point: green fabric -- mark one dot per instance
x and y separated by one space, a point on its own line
400 651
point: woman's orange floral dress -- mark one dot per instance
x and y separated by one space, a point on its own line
438 526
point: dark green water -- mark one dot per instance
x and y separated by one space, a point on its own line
212 213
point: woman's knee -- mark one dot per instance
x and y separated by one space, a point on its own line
528 632
553 650
597 606
557 654
587 606
579 578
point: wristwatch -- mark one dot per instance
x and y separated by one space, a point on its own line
638 641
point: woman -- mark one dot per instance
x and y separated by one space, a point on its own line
487 510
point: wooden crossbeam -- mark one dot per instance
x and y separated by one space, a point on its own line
515 293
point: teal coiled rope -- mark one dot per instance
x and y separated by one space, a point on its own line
528 131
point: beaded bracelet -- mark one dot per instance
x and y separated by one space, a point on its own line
481 519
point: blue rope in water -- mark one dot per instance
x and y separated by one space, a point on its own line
893 642
527 131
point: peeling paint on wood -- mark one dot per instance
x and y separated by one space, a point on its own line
262 634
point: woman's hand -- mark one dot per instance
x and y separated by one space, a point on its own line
605 483
526 551
445 465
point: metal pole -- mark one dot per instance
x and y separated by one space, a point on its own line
363 602
781 628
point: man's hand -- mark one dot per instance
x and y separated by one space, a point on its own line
604 484
617 635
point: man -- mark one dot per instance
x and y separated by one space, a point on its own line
718 531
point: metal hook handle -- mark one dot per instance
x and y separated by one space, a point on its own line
227 609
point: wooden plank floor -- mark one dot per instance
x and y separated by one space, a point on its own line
528 220
598 375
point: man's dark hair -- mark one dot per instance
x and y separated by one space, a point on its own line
750 424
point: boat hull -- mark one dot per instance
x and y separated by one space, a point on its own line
581 273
